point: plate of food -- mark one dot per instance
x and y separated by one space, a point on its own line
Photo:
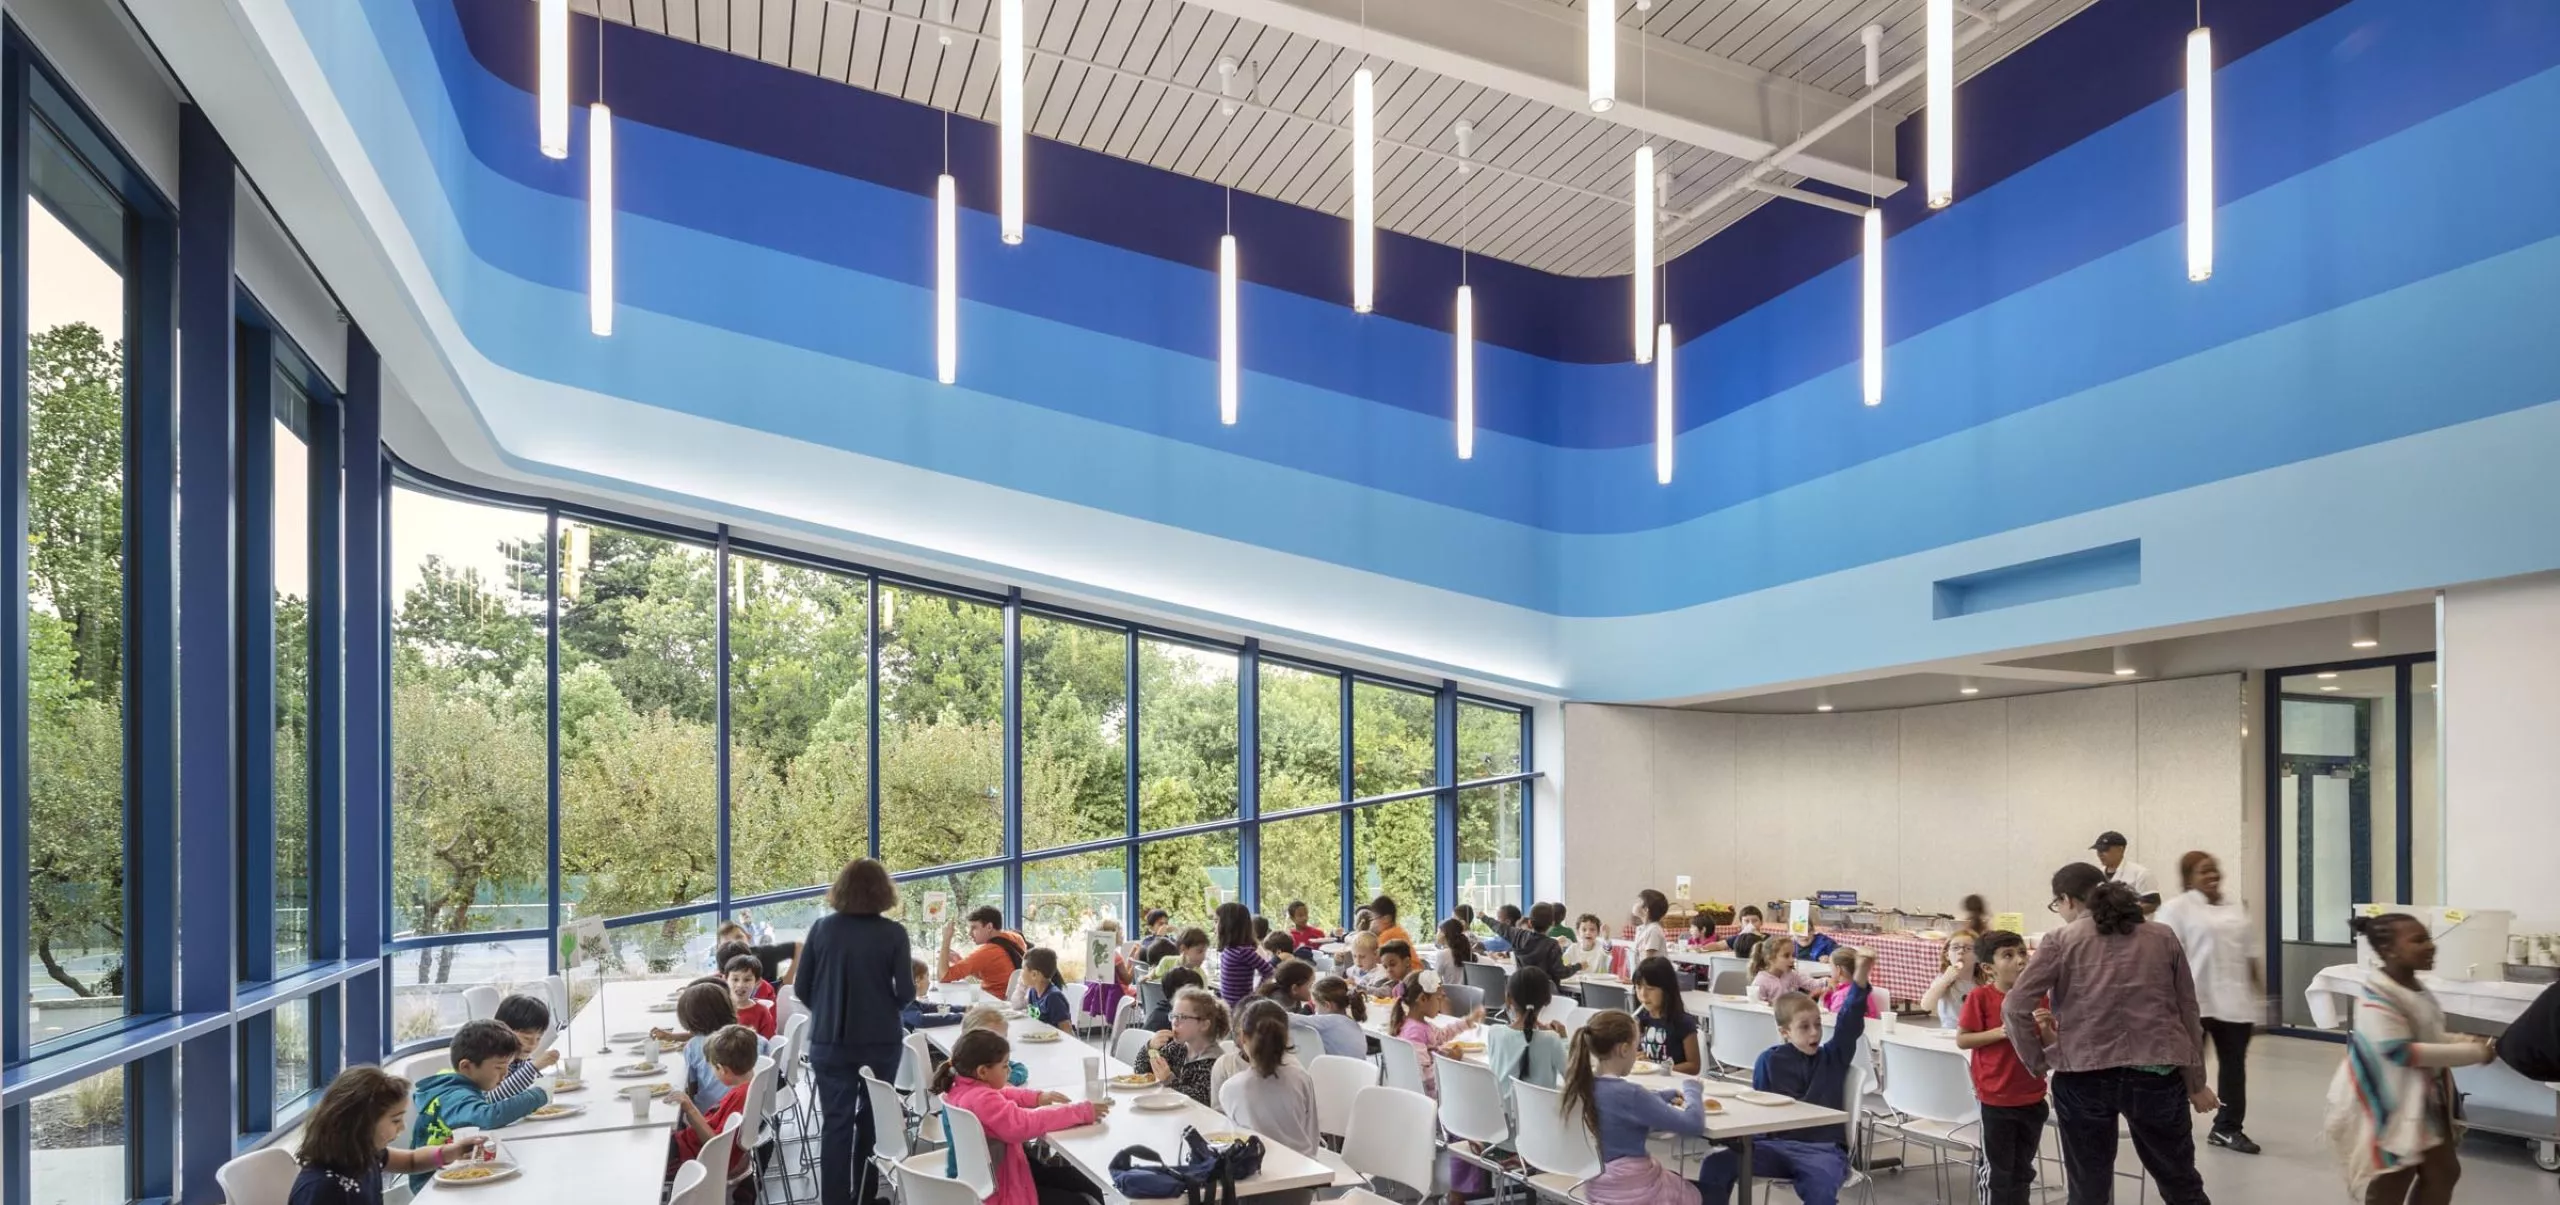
553 1112
632 1035
1133 1080
478 1171
1037 1037
663 1006
1161 1102
638 1070
1770 1099
670 1045
559 1086
1717 1087
1645 1067
1465 1046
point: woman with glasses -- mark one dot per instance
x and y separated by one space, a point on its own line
1183 1057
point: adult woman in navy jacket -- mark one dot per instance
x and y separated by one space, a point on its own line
856 975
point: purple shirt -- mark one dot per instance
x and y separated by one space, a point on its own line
1240 970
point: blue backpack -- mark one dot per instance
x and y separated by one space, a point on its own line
1206 1176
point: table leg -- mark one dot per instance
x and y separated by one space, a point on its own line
1742 1171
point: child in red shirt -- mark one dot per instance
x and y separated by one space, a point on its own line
2013 1108
732 1053
745 975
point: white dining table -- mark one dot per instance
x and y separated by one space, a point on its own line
610 1167
620 1006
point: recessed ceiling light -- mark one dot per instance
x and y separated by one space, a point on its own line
2328 688
2329 675
2364 629
1822 700
1967 686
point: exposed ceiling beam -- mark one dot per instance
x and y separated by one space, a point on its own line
1534 51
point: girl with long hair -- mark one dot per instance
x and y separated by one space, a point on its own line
974 1079
1526 1046
1622 1116
1773 970
1669 1033
1291 987
1242 966
346 1141
1455 949
1272 1096
1340 1011
1183 1056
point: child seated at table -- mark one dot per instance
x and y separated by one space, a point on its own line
459 1098
1306 936
989 1017
1948 992
1363 970
1272 1096
1183 1055
1773 970
745 975
921 1013
1395 964
1814 1158
1589 953
1160 1017
1844 963
731 1054
1279 948
1340 1011
975 1079
1524 1046
1290 987
530 1019
703 1008
345 1145
1623 1115
1746 935
1453 950
1193 954
1419 1016
730 950
1670 1034
1042 996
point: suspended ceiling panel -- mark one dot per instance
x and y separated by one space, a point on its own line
1138 79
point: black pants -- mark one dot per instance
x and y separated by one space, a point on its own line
2231 1072
2010 1136
846 1127
2086 1105
1058 1185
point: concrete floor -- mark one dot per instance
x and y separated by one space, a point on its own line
2288 1093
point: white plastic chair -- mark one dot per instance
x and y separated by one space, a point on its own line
786 1005
1129 1044
479 1003
1573 1018
423 1064
915 1077
555 992
1464 999
261 1177
1856 1101
1930 1094
1559 1148
1391 1138
716 1155
1338 1082
969 1151
922 1186
1403 1064
694 1186
1721 965
1123 1019
1736 1036
759 1107
1471 1111
1305 1043
1608 995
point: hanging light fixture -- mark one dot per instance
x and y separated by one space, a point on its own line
1227 338
1941 101
2200 152
553 36
1601 42
1872 271
1364 191
599 218
1641 188
1466 340
946 278
1663 435
1009 116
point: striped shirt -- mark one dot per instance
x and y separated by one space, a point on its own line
1240 970
520 1076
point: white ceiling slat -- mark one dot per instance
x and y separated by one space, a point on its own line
835 46
897 74
650 15
711 21
808 31
684 20
1132 117
1168 50
1106 94
746 27
1121 30
1154 21
1085 40
862 61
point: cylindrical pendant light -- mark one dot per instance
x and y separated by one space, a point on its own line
1941 101
1872 265
1602 53
946 279
1009 116
553 35
1641 185
1466 340
1663 435
1364 191
599 219
1227 329
2200 154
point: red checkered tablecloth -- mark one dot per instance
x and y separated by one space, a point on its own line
1906 964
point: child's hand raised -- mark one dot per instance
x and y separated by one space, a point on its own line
1866 967
1476 1017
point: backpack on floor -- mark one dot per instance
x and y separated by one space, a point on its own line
1206 1176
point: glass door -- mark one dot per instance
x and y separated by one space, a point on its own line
2352 808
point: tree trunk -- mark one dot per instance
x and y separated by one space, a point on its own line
59 973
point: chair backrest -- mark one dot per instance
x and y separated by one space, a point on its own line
1549 1140
423 1064
759 1103
1390 1137
1338 1080
1608 995
694 1186
1718 965
795 1038
716 1155
555 991
1736 1036
1403 1066
1491 978
888 1141
1123 1019
479 1003
1471 1103
1305 1043
1463 999
786 1004
1929 1083
1323 964
969 1150
261 1177
1573 1018
922 1188
915 1065
1150 994
1735 982
1129 1043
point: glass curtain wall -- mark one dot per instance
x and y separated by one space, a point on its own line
1062 768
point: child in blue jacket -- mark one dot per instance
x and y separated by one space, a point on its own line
451 1100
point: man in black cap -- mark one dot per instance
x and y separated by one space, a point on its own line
2110 851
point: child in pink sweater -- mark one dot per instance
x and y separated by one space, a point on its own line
974 1080
1773 970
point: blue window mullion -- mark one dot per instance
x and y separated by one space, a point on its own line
15 802
367 889
550 727
1129 767
1012 755
871 762
208 798
720 709
253 476
1249 774
1350 857
327 765
1444 810
1528 808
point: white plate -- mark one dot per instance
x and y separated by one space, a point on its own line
502 1170
1160 1102
629 1071
1645 1067
564 1110
1039 1036
664 1007
1771 1099
629 1036
1117 1086
1715 1087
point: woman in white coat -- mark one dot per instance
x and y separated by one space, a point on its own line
2222 957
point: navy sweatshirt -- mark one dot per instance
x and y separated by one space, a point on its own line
857 976
1820 1078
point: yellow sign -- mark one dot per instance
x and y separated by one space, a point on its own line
2370 909
2455 916
2010 922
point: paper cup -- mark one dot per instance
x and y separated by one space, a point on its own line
1890 1019
639 1096
569 1064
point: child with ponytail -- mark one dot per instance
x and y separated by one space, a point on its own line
974 1079
1527 1047
1272 1096
1623 1115
1339 1013
1416 1017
